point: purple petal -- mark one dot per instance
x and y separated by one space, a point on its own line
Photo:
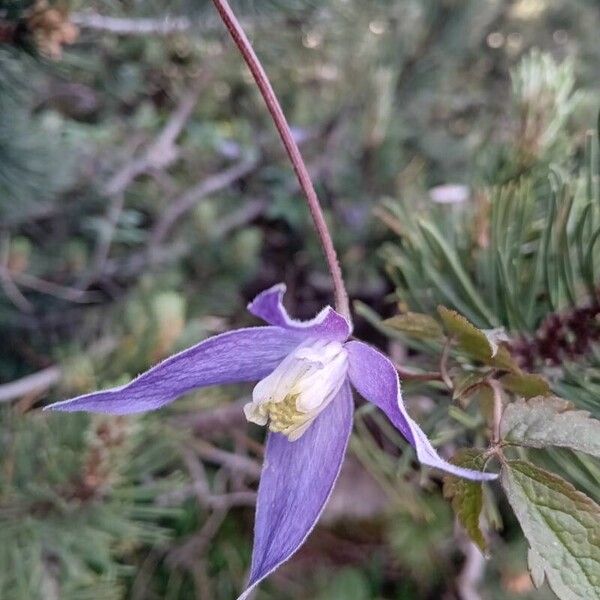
376 380
240 355
297 480
328 324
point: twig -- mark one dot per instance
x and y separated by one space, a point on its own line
220 419
49 288
30 384
201 488
159 155
13 293
214 501
250 210
498 408
444 363
50 587
203 583
197 543
472 571
144 573
197 473
124 26
233 462
414 376
163 151
38 382
41 210
268 94
105 237
137 262
160 255
248 443
191 197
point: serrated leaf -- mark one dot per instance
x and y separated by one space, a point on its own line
475 342
467 496
469 338
562 526
527 385
542 422
416 325
465 385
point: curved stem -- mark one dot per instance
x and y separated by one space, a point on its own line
444 363
268 94
416 376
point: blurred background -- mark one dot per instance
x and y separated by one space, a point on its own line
145 199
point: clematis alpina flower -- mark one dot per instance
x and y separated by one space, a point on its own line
305 370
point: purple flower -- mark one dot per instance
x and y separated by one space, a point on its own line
305 370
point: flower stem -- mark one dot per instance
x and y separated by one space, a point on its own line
498 409
268 94
444 363
406 375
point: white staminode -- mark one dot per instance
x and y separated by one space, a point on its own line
304 383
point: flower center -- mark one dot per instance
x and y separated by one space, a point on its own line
302 385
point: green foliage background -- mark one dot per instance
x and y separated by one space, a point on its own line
389 99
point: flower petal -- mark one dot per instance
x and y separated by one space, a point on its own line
297 480
235 356
328 324
376 379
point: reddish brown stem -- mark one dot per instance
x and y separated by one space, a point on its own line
444 364
268 94
415 376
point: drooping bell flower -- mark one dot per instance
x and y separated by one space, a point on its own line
305 371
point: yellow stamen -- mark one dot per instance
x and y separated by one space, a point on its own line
283 415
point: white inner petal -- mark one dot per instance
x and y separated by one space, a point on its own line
301 386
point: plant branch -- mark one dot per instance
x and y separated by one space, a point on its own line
39 382
407 375
496 388
161 153
123 26
49 287
444 364
30 384
12 291
268 94
472 572
186 201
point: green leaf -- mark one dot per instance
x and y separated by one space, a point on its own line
475 342
467 496
416 325
542 422
465 385
562 526
495 337
527 385
536 567
469 338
